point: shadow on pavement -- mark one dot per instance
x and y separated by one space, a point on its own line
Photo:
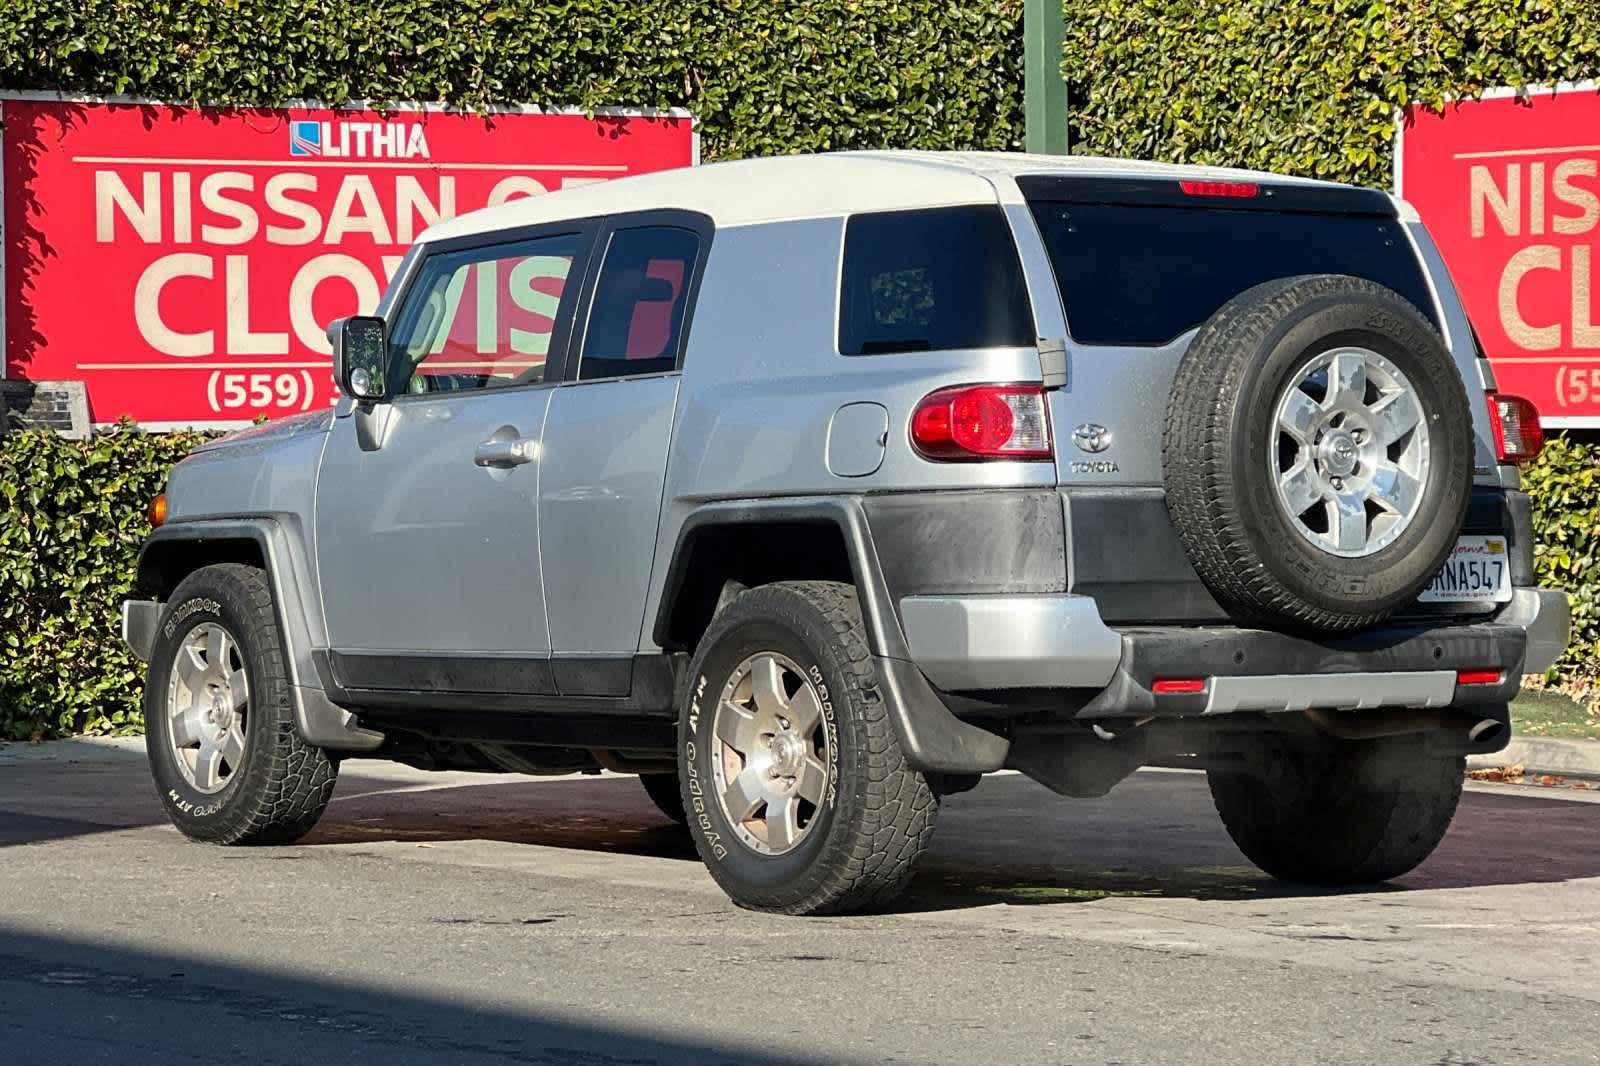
80 787
75 1001
1158 836
609 814
72 788
1009 841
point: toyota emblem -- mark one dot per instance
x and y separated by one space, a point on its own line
1091 437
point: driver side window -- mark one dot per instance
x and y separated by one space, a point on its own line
484 318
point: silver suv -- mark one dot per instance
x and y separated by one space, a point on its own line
812 489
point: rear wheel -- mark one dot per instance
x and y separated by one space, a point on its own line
224 750
1338 812
800 799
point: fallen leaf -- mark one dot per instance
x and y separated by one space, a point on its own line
1510 774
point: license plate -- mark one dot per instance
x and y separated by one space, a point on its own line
1478 570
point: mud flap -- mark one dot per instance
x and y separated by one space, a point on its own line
933 739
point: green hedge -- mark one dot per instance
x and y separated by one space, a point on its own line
1306 87
764 77
72 517
1302 87
1565 486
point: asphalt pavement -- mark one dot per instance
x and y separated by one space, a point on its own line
436 918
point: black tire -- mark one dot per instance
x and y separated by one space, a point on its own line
878 814
1220 429
664 792
282 784
1336 812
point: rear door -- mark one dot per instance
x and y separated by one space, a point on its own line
1141 263
605 446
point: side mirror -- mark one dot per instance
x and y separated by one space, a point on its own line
360 354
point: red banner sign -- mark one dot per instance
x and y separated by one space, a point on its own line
185 262
1509 186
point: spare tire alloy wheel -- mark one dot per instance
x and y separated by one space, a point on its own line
1318 453
771 770
208 697
1351 452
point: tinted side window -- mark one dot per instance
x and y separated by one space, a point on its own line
636 320
484 317
931 280
1143 275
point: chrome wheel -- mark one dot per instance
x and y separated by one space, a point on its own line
207 698
771 770
1350 452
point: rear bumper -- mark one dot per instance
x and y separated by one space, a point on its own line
1547 617
1012 644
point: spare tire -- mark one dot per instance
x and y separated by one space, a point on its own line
1318 453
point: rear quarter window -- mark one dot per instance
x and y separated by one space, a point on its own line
1143 274
931 280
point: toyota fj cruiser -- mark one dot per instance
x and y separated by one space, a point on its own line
812 489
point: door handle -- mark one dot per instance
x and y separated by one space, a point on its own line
502 453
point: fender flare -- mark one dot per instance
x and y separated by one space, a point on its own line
933 739
320 722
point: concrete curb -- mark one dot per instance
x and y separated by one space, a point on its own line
74 750
1557 756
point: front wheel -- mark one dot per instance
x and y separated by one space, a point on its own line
799 797
226 756
1339 812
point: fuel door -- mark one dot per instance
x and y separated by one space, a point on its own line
856 439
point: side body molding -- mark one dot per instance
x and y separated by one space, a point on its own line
320 721
933 739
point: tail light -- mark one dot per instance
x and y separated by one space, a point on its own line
1238 190
972 422
1515 422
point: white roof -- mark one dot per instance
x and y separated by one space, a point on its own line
783 188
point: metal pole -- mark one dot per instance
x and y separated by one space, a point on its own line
1045 109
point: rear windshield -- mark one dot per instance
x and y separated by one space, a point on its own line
1144 274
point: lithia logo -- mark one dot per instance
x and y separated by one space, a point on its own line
357 140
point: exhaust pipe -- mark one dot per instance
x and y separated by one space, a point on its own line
1490 732
1482 735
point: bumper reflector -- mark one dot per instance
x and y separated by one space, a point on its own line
1478 677
1171 686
